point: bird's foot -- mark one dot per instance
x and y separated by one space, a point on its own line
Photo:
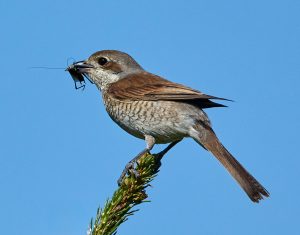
130 168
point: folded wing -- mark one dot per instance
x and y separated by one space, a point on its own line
146 86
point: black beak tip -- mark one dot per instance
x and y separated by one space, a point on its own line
82 65
76 66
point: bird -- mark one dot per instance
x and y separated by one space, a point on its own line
159 111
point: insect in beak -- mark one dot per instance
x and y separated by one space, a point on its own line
77 71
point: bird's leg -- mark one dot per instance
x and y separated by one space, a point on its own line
162 153
130 165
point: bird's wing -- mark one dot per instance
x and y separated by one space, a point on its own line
146 86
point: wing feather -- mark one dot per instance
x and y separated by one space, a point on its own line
146 86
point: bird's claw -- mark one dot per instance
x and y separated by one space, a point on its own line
130 170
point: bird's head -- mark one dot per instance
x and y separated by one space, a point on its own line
105 67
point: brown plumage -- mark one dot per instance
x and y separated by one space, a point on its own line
251 186
146 86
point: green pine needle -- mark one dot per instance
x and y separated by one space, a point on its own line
132 192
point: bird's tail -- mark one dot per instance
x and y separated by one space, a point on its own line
207 139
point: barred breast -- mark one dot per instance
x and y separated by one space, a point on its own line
161 119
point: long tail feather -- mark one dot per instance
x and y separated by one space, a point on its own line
251 186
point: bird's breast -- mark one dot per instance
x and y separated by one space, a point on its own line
140 118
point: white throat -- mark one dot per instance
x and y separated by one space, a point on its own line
102 80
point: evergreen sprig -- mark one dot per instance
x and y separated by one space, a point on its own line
132 192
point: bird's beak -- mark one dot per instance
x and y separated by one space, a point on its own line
80 66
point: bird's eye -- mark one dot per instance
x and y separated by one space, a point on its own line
102 61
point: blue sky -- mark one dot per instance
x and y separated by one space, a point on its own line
61 155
